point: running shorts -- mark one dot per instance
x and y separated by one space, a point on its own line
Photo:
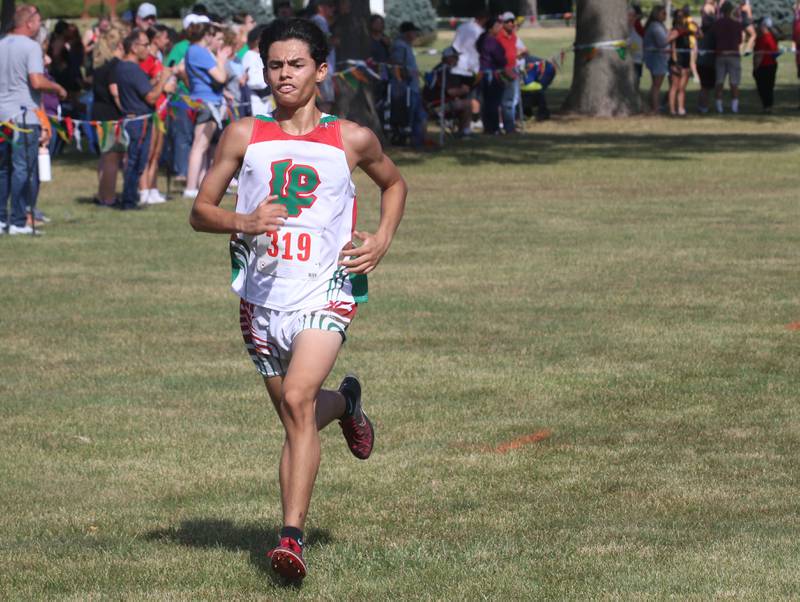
268 334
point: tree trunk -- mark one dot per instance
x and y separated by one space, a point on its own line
533 11
602 81
7 16
352 31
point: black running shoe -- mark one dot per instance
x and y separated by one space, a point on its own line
357 429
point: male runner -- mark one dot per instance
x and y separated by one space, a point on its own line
294 265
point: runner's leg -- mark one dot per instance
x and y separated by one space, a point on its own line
313 356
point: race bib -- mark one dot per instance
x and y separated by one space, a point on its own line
289 253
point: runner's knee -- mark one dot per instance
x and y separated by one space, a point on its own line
297 405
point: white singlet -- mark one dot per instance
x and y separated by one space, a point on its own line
297 266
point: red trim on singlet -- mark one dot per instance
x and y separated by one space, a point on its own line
327 132
355 213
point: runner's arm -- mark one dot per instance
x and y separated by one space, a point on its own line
367 153
207 215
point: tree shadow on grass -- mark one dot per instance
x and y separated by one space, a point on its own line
551 148
215 533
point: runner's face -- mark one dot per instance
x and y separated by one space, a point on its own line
292 73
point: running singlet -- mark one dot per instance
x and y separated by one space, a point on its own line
297 266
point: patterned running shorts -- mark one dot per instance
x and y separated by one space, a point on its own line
268 334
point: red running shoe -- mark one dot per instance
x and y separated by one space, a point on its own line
287 559
357 429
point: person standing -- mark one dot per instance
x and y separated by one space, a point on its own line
636 41
492 64
765 65
706 60
796 40
181 128
137 98
22 80
323 18
379 44
106 107
656 51
205 68
295 268
152 66
728 34
507 37
469 61
402 54
679 64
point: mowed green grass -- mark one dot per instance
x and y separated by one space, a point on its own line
621 288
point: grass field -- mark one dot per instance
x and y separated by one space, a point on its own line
578 353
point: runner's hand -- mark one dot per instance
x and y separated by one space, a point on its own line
267 217
365 258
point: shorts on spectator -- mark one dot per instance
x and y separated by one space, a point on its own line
209 112
729 66
708 76
656 64
269 334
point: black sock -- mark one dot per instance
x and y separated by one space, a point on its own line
294 533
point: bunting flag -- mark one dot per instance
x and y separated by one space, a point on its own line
621 52
590 54
14 127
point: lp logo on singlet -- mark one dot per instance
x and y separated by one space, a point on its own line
294 185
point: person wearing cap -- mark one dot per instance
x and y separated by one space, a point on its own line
507 37
402 54
765 65
456 90
322 18
146 16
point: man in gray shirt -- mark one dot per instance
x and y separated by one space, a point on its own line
22 80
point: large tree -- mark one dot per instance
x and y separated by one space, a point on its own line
603 83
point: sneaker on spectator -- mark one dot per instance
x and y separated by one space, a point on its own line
14 230
39 216
155 197
190 193
144 197
3 228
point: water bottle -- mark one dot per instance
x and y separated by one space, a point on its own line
45 175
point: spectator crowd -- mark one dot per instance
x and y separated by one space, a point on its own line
709 51
144 96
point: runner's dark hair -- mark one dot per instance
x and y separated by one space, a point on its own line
295 29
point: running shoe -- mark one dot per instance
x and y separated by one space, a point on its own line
357 429
287 559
